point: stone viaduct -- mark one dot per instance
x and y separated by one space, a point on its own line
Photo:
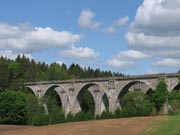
103 90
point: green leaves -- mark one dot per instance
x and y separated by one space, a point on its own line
159 95
12 107
136 104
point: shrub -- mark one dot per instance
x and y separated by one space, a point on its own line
69 117
136 104
174 107
118 113
12 107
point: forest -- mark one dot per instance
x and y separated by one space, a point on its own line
13 73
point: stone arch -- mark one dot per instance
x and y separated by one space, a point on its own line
104 103
149 91
176 87
93 88
32 90
62 89
62 93
127 87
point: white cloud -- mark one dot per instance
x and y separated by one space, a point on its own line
122 21
131 55
120 64
79 53
156 30
110 30
126 59
12 55
85 19
168 62
26 38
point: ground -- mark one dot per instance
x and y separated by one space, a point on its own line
124 126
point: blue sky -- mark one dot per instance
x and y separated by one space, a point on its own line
132 37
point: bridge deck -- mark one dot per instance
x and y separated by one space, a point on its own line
100 79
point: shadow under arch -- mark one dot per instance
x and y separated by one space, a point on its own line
53 100
85 98
59 95
176 88
104 103
133 86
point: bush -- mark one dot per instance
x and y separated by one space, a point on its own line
82 116
69 117
33 108
118 113
136 104
12 107
40 120
105 115
57 116
159 95
174 107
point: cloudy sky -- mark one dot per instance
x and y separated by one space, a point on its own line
128 36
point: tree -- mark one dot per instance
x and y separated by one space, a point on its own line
12 107
33 108
86 102
159 95
136 104
4 73
56 72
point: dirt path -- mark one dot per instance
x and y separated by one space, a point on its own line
124 126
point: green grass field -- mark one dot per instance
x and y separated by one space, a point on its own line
169 126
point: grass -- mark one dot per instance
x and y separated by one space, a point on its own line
169 126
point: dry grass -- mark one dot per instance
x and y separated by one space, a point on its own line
124 126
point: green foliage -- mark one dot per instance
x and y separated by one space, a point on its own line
40 120
82 116
159 95
105 115
174 95
118 113
56 72
69 117
34 109
12 107
53 101
57 116
136 104
4 74
87 102
15 72
174 107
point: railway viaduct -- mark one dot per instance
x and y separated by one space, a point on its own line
103 90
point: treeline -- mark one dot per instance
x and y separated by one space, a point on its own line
15 72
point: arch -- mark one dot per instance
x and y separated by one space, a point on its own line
62 93
51 91
149 91
86 86
176 87
30 90
63 90
92 88
104 103
126 88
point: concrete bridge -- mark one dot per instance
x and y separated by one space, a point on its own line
109 90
